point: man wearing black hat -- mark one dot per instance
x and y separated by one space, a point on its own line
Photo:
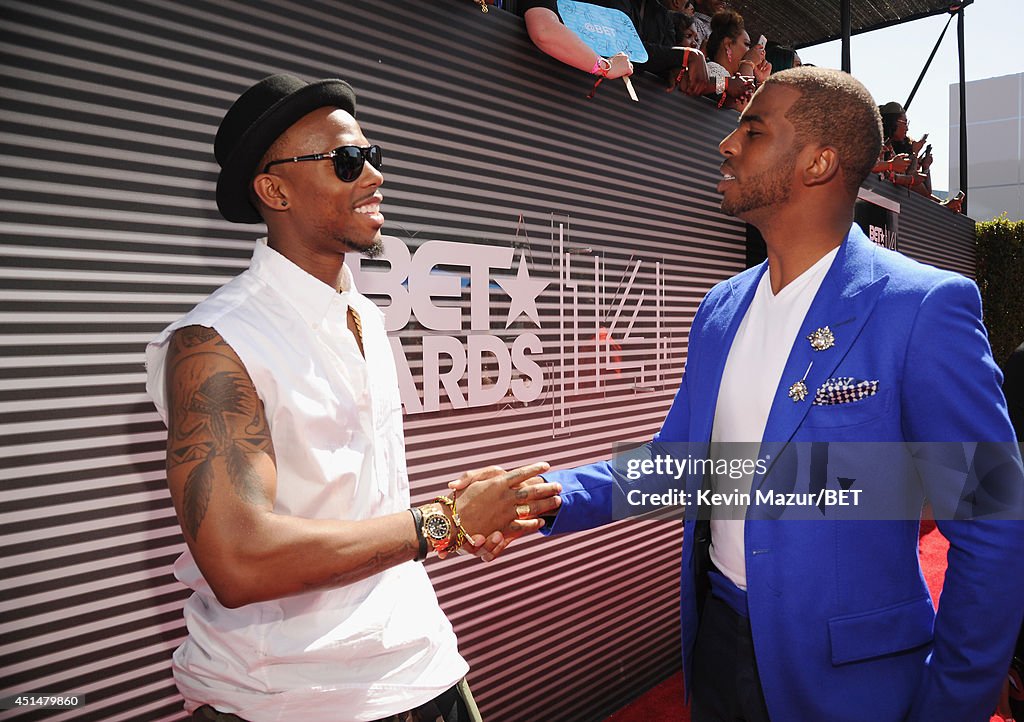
285 454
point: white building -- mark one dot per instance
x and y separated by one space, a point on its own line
995 146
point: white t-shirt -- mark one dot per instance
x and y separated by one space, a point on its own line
361 651
749 386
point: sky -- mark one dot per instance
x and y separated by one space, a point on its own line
888 62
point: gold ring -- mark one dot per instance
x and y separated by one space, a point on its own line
523 511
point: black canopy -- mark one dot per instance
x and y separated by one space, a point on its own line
799 23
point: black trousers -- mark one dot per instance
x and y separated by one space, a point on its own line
453 705
726 685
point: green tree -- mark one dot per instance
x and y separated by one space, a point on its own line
1000 276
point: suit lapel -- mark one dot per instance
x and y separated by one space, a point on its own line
718 334
720 331
844 302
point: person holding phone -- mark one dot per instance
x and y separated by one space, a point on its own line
917 176
732 59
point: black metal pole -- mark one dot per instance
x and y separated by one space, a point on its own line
846 20
928 63
963 107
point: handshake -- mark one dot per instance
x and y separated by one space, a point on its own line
486 510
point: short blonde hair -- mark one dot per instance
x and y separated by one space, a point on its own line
835 109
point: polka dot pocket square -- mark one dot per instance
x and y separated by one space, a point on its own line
844 390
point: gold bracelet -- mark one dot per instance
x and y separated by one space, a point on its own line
460 531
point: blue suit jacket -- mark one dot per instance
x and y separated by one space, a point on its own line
843 624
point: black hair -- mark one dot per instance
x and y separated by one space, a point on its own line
681 22
726 24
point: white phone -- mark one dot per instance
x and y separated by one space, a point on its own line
762 41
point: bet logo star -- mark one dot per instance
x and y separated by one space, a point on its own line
523 291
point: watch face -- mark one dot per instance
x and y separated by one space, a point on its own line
437 527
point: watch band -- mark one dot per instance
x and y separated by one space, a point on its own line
417 520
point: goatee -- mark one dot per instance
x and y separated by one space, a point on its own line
374 250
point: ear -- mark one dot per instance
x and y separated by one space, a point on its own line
820 166
271 191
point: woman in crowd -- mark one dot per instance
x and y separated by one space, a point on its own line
686 34
898 145
730 55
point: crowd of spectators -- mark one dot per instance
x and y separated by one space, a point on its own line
674 34
905 161
702 48
697 46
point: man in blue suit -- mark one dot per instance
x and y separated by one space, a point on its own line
835 339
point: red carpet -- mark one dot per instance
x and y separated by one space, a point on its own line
664 703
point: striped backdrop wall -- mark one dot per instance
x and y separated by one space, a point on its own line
930 233
110 232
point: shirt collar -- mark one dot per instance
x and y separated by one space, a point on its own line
309 296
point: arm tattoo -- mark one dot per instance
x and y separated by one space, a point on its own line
197 336
216 422
374 565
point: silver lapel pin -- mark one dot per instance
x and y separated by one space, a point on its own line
798 391
822 339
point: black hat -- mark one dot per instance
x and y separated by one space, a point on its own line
892 108
258 118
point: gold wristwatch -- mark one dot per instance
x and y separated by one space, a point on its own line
437 527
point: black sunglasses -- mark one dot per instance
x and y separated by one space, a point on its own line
348 160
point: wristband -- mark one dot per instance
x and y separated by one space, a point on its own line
686 58
601 67
682 68
417 520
